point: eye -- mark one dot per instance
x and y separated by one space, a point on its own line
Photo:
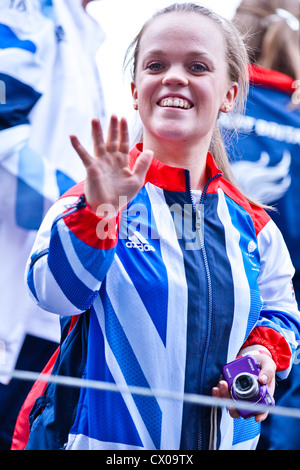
155 66
198 67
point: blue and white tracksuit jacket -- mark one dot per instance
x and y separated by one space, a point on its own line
164 299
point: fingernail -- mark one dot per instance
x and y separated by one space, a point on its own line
264 378
222 386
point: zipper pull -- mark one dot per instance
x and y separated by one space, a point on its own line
81 202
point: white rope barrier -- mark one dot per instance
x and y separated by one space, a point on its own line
201 400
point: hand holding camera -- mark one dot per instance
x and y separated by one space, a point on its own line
242 378
249 378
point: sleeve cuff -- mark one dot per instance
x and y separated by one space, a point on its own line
93 230
274 342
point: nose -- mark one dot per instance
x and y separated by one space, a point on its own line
175 76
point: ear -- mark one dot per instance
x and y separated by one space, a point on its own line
231 95
134 95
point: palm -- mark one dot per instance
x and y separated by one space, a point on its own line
109 180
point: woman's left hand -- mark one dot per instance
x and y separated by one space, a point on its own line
266 376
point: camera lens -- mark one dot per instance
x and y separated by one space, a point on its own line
245 386
244 383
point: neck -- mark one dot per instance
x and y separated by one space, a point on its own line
192 158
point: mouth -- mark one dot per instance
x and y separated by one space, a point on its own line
175 102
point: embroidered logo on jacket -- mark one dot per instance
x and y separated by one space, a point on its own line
251 246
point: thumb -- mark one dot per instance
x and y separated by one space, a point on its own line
267 372
143 163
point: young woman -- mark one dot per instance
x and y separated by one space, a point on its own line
167 270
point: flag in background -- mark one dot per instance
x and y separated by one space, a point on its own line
50 89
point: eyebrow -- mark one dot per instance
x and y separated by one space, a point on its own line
192 54
159 52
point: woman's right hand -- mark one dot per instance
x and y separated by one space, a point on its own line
109 177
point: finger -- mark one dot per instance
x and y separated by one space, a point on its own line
124 137
112 143
224 393
261 417
267 372
142 164
86 158
99 145
216 392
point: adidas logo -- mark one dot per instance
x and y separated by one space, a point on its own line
138 241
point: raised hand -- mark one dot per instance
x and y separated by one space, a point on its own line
108 176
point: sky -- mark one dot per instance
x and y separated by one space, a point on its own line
121 20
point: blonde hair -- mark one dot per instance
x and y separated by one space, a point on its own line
236 59
271 32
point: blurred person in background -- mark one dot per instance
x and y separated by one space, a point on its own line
50 88
265 154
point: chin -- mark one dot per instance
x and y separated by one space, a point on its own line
171 133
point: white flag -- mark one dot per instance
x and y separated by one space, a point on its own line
49 88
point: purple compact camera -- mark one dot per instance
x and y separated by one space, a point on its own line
242 378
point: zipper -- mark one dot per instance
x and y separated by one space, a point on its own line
37 257
80 204
199 213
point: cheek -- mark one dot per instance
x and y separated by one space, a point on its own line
146 102
146 87
210 102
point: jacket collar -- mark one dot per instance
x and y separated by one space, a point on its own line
168 177
270 78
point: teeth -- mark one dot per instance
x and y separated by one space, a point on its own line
175 103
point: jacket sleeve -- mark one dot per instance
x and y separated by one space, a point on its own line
278 327
71 256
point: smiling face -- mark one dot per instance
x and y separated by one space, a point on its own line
181 82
